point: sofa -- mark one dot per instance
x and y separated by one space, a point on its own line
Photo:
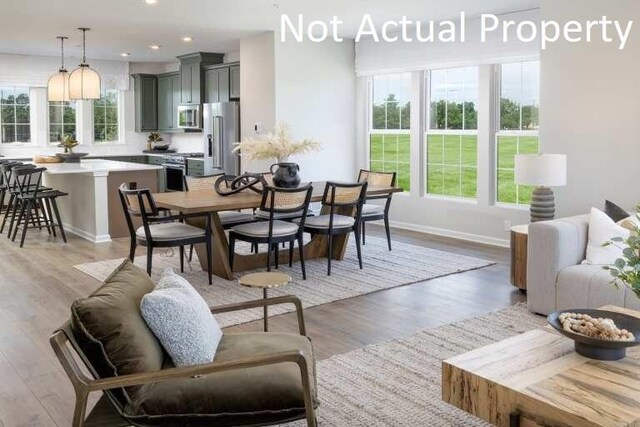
556 277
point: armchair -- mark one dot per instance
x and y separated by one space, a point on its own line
218 377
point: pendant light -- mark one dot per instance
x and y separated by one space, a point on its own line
58 86
84 81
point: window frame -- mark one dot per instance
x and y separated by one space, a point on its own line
499 132
120 120
428 130
32 107
78 124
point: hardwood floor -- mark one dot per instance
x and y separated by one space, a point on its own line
38 284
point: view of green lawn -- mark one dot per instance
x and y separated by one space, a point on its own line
452 163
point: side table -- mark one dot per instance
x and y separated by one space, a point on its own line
265 281
519 241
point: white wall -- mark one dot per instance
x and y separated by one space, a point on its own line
315 94
590 109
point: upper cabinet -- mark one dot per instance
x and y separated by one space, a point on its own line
192 74
146 100
222 83
169 97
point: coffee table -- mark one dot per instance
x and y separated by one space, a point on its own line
536 379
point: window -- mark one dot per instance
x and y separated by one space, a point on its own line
519 124
62 120
389 147
105 117
452 133
15 115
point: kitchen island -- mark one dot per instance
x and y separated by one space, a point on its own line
92 210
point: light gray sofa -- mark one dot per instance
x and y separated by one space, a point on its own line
556 279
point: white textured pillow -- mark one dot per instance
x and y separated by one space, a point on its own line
181 320
601 230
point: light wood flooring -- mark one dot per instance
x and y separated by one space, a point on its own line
38 284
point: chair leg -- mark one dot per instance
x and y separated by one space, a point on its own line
132 249
209 261
358 250
26 222
364 233
277 252
14 212
330 254
16 220
232 248
47 204
291 253
149 259
7 213
388 230
59 220
190 253
181 259
301 250
269 256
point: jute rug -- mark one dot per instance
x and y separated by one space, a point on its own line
397 383
406 264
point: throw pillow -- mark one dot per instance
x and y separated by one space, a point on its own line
181 320
602 229
615 212
631 223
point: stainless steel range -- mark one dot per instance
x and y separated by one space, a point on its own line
175 166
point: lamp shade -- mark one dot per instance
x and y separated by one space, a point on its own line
84 83
548 170
58 86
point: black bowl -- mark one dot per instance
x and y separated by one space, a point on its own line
161 147
595 348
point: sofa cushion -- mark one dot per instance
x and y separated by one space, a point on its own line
251 396
110 330
587 286
181 320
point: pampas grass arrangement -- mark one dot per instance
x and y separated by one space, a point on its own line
278 144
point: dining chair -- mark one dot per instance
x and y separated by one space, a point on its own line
343 202
273 231
38 207
374 212
10 187
161 231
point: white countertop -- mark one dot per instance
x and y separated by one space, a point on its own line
96 166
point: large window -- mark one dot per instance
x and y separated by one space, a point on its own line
15 115
105 117
62 120
390 124
518 131
452 134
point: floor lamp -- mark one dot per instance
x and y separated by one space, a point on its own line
542 171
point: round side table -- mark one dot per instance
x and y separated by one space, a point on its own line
265 281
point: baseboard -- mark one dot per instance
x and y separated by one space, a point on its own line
459 235
87 236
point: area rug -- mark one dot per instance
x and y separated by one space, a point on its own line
382 269
398 383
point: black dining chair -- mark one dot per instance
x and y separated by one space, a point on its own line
273 231
161 231
375 212
344 205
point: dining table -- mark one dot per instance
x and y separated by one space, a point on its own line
208 200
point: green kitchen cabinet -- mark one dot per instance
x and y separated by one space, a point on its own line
192 75
216 84
234 82
146 102
169 96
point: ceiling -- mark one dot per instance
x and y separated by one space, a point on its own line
30 26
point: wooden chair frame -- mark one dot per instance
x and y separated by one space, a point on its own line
63 342
387 205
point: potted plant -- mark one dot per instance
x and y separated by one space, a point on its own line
68 142
626 269
153 142
278 145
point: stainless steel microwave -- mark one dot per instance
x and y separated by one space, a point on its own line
189 116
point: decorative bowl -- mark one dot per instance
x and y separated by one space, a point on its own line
71 157
161 147
595 348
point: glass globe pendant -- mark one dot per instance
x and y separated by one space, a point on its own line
84 81
58 85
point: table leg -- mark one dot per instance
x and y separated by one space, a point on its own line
266 311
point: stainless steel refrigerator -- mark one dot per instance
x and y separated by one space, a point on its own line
221 129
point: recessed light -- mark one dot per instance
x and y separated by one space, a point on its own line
187 39
124 54
154 46
151 1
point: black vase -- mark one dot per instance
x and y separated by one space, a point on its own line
285 175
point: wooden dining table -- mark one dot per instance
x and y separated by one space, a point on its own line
198 201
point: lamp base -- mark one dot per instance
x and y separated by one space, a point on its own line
543 206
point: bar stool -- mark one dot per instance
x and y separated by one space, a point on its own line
265 281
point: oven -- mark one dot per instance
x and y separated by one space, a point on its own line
174 175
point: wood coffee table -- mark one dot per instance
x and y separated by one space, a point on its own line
536 379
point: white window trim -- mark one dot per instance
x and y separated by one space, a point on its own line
33 105
121 132
48 125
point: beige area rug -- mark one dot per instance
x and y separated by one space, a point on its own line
398 383
404 265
